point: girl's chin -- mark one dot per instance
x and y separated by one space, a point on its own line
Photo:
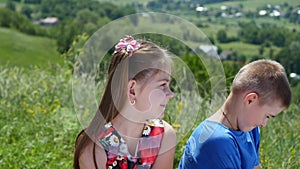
161 115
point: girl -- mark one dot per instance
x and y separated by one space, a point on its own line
127 130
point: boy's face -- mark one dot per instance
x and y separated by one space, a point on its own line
258 115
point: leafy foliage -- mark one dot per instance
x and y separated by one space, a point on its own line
14 20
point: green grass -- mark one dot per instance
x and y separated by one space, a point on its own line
280 143
241 48
18 49
247 49
38 124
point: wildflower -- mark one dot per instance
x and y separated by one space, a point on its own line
179 106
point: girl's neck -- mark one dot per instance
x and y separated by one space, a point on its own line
126 127
130 131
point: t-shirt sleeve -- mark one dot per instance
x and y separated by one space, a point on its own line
217 153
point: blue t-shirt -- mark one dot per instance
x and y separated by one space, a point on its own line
214 146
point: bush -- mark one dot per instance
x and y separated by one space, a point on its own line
14 20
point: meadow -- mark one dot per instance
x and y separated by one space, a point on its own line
19 49
38 123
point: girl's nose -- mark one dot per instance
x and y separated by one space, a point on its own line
170 94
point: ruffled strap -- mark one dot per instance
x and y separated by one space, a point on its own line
149 144
147 151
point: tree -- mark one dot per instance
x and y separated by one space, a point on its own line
222 36
10 5
66 33
84 17
261 50
289 57
27 11
199 71
75 49
33 1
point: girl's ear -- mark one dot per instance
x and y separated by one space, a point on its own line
250 98
131 90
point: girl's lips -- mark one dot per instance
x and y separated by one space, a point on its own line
163 105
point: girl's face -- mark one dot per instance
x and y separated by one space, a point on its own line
153 95
258 115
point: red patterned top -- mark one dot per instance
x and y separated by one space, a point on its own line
147 150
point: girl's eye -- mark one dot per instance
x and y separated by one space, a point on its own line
268 117
164 84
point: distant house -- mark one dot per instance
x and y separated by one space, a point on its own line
210 50
223 7
48 21
294 76
225 54
201 9
262 12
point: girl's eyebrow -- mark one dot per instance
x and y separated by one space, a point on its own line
164 79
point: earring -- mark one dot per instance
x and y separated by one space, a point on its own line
132 102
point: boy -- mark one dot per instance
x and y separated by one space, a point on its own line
230 137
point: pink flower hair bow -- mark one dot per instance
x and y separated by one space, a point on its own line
129 44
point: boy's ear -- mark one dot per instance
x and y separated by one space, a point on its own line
131 89
250 98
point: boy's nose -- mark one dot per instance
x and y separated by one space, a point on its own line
264 123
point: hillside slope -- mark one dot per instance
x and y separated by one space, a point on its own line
18 49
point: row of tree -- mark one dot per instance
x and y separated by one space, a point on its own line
76 17
14 20
267 35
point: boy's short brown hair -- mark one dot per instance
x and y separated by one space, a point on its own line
267 78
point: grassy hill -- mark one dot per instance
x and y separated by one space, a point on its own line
18 49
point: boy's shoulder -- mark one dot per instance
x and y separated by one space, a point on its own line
213 133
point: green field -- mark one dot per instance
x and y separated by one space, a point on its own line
18 49
247 49
38 123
